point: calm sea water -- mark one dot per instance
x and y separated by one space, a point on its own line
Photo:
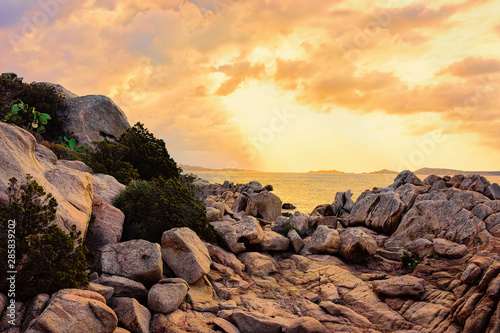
306 191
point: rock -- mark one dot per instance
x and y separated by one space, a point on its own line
265 205
4 302
213 214
226 326
296 240
299 221
430 180
19 155
94 118
252 187
288 206
241 202
250 322
447 249
482 314
11 320
35 308
167 295
101 289
441 218
304 325
76 165
73 310
493 224
231 231
356 246
257 264
423 247
107 187
269 188
107 226
272 241
482 211
409 192
406 177
468 199
400 286
495 191
323 210
131 315
123 287
324 240
138 260
202 296
491 272
228 259
184 252
472 274
329 293
330 307
60 90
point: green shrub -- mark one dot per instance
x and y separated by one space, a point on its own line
108 158
410 261
153 207
148 154
44 99
46 259
286 228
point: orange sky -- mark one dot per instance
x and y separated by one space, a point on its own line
279 85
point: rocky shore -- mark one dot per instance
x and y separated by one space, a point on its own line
415 256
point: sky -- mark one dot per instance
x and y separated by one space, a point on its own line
279 85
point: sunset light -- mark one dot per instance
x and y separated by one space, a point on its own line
280 85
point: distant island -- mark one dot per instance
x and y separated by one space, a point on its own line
192 168
327 171
452 172
422 171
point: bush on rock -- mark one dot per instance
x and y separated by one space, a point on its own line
161 204
45 256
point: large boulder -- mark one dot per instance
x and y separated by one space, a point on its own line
251 322
138 260
324 240
94 118
265 205
468 199
356 245
167 295
20 155
74 310
493 224
400 286
440 219
184 252
381 212
232 231
274 241
107 226
123 287
131 314
406 177
107 187
257 264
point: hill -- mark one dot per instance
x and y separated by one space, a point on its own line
451 172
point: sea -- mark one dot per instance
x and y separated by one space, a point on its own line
308 190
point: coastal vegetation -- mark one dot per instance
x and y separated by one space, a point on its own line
44 256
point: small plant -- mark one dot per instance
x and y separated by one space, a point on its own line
286 228
188 299
70 144
410 260
20 113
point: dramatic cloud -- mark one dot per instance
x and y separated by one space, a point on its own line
275 84
473 66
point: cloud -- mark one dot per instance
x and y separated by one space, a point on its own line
238 73
472 66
